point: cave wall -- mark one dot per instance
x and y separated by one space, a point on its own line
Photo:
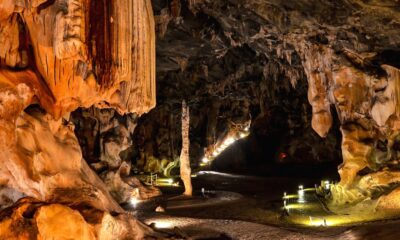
51 61
232 71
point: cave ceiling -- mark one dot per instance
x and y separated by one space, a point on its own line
237 60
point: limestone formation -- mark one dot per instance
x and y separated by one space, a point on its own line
185 170
317 63
32 219
368 106
57 56
231 60
124 187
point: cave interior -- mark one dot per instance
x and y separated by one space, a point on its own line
199 119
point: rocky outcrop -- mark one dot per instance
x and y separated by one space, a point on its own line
367 105
32 219
106 139
57 56
124 187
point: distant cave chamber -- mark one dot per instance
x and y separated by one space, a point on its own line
258 94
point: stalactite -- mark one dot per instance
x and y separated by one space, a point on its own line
317 62
40 156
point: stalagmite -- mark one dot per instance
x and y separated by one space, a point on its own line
184 158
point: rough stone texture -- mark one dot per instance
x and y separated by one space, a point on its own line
44 161
106 139
32 219
124 187
57 56
50 224
185 171
64 61
232 60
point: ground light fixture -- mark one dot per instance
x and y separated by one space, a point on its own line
318 221
166 182
134 201
327 185
300 192
302 208
164 223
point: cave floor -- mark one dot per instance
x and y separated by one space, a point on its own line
253 210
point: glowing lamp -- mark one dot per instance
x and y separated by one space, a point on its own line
163 224
134 201
301 194
318 221
230 140
327 185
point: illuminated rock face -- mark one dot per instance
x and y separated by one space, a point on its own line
185 170
106 138
62 55
368 107
31 219
123 50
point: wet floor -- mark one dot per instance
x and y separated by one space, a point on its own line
262 198
257 213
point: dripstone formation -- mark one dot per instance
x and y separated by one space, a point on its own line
55 57
302 76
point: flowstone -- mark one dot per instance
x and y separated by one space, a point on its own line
53 60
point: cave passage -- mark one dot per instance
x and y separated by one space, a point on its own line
199 119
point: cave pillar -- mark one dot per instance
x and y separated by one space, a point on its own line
185 158
357 151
